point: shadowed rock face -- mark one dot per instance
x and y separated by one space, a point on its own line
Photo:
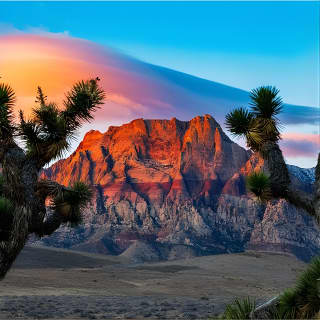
172 188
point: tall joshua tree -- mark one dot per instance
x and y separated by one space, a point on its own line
260 127
47 135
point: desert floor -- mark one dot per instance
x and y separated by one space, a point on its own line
48 283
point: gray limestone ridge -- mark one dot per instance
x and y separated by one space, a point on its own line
168 189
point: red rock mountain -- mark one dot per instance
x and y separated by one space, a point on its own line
170 188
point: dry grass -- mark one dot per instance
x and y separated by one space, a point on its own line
87 285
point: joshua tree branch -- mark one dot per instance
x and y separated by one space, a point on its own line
67 205
7 145
50 225
46 188
39 226
15 173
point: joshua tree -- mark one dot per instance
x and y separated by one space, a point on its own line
47 134
260 127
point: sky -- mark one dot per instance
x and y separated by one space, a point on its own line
239 44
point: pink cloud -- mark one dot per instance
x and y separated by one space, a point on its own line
55 63
307 137
139 89
300 144
134 89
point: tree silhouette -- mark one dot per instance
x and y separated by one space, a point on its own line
47 135
260 127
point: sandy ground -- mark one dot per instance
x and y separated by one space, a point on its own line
60 284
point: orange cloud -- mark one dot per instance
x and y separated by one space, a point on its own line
134 89
28 61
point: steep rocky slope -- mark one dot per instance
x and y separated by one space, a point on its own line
170 188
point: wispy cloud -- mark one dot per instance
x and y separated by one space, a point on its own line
300 145
300 115
134 88
6 28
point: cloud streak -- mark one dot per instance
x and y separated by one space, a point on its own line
300 145
134 88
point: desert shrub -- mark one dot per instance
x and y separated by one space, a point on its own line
308 290
239 309
302 301
286 307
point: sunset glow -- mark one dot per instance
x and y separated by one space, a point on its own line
56 64
134 89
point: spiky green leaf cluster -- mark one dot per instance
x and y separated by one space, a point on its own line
7 100
302 301
238 121
260 124
41 97
259 184
45 134
239 309
265 102
84 98
49 132
71 203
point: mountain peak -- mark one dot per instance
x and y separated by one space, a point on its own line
153 151
176 182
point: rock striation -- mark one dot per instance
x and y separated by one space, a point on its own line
167 189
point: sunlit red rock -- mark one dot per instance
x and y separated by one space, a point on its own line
176 188
155 159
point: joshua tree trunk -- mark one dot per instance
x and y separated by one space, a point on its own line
29 195
279 175
281 186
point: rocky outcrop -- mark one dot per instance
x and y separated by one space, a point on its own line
170 188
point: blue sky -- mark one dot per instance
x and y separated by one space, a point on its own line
242 44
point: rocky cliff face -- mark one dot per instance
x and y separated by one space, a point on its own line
170 188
